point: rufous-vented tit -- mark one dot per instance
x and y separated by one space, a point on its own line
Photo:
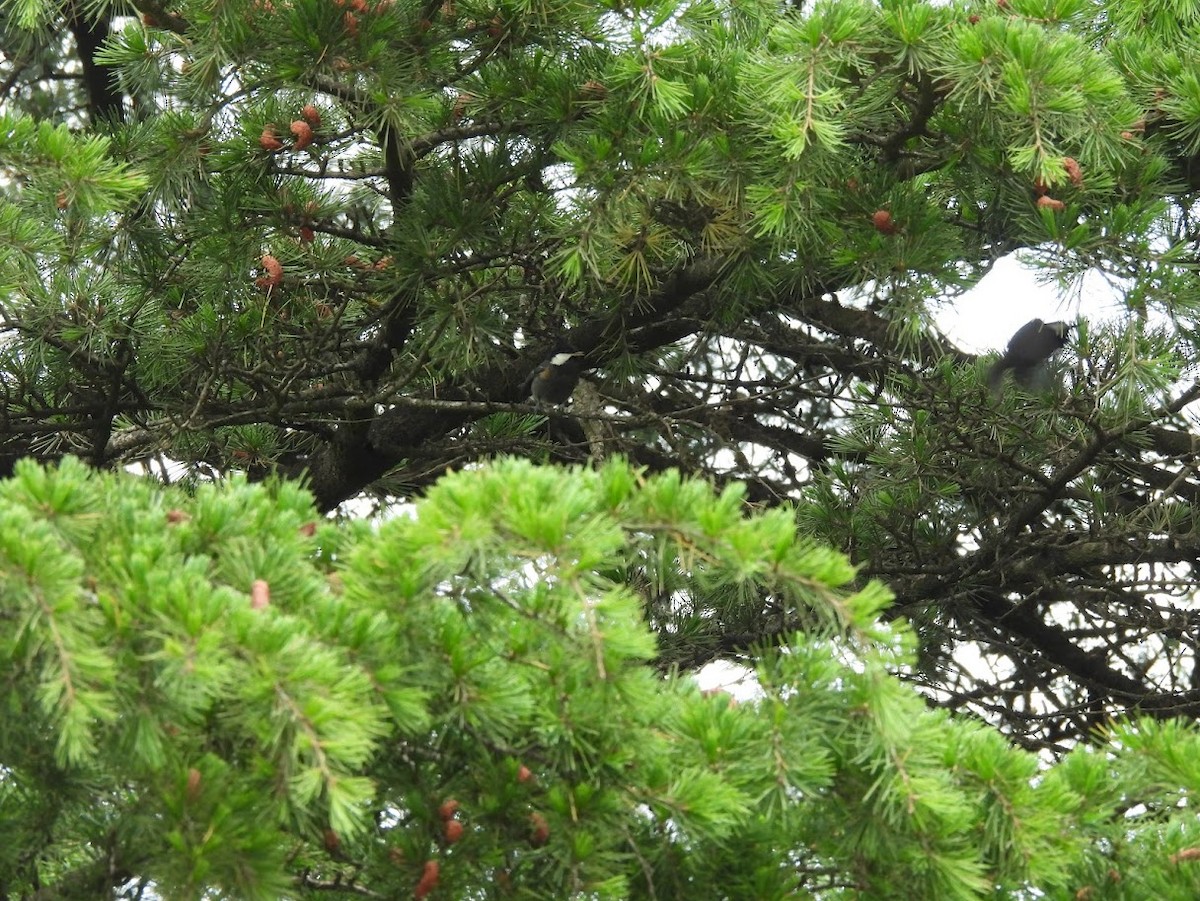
1028 352
556 377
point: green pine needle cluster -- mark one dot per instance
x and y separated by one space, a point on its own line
220 695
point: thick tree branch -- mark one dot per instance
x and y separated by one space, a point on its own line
359 456
91 30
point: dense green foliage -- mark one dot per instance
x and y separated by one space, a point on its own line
253 244
166 727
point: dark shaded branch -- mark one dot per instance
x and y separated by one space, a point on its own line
361 455
105 100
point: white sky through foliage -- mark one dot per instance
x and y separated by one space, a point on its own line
980 321
983 319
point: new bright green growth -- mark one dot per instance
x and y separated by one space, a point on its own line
180 726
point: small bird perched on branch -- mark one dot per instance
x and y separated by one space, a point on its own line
1028 352
556 376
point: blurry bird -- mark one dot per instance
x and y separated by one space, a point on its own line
1027 353
556 376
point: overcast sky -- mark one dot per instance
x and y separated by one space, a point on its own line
985 317
980 321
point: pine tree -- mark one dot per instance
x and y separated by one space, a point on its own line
328 242
221 695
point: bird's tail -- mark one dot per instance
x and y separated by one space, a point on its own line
995 377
